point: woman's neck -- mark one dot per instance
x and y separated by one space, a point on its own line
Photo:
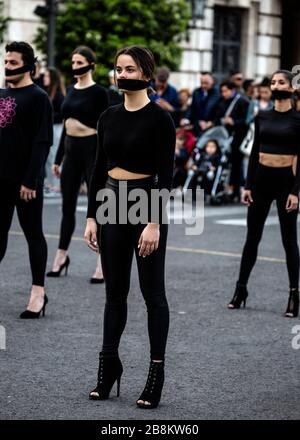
136 100
283 105
84 81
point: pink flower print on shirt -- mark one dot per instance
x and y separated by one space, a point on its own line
7 111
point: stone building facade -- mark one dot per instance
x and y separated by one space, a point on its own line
255 36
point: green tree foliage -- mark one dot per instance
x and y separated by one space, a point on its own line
3 22
107 25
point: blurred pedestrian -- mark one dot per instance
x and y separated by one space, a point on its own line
273 174
81 109
54 86
26 136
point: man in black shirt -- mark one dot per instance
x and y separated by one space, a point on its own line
25 139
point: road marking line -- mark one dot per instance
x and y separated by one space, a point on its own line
177 249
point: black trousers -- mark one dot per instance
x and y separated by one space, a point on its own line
118 244
77 166
271 184
30 218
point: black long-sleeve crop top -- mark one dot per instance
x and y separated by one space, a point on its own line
275 133
141 141
85 105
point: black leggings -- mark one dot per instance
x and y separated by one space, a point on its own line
118 243
271 184
30 218
77 165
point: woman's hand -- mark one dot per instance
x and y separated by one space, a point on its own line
246 197
291 203
56 170
27 194
90 234
149 240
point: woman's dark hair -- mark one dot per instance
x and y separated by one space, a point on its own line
86 52
25 49
56 83
142 56
286 73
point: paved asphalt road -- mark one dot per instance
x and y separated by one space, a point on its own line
220 364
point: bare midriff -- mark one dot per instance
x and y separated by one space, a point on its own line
121 174
77 129
277 160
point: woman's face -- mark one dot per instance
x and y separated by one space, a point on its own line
126 68
79 61
280 82
46 78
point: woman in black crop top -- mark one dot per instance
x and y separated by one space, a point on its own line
273 174
136 145
84 103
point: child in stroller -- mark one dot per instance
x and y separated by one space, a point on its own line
205 164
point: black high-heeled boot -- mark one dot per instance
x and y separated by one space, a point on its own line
56 274
239 297
293 304
110 370
154 386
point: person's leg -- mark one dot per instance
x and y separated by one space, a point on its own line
8 200
116 256
288 228
257 214
71 176
30 218
151 271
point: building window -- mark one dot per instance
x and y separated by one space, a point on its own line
198 7
227 41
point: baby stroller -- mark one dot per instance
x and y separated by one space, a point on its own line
221 174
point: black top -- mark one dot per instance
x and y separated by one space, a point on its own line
141 141
85 105
275 133
26 131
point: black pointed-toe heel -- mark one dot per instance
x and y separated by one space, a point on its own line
56 274
28 314
239 297
154 385
110 371
293 304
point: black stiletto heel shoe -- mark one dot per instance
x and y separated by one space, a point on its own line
239 297
28 314
293 304
65 265
110 371
154 385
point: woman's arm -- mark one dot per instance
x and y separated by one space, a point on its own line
254 156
